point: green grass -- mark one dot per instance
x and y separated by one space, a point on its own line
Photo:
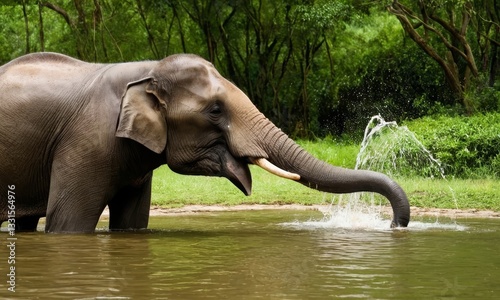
174 190
336 153
453 193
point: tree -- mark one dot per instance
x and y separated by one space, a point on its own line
440 28
87 19
449 32
314 67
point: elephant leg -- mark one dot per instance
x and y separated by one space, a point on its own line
76 198
27 223
68 213
73 209
129 209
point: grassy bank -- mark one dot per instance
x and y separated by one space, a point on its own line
173 190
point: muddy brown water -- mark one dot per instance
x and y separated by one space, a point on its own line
281 254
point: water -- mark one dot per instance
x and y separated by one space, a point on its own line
352 219
395 151
259 255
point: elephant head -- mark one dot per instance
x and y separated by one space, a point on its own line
205 125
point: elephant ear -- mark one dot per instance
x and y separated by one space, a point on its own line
141 117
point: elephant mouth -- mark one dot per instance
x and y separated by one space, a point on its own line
237 171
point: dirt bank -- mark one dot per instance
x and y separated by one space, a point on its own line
415 211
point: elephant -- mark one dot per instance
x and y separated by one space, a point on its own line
76 137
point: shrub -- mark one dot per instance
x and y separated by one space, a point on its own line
467 146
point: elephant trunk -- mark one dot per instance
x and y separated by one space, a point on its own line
314 173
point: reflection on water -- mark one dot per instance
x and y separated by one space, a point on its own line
259 254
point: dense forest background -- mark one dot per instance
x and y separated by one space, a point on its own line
315 68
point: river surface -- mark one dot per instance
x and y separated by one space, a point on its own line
260 255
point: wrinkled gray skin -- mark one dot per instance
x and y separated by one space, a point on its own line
76 136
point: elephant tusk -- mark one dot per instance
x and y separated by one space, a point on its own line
268 166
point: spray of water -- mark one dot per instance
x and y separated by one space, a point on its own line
395 151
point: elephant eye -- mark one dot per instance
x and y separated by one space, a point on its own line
216 110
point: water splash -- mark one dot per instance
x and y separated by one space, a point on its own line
395 151
351 216
360 221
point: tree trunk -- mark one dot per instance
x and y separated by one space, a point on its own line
151 39
26 28
40 24
494 60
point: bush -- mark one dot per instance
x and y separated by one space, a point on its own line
468 147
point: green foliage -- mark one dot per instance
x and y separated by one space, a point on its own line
320 16
11 33
315 68
468 147
484 98
380 73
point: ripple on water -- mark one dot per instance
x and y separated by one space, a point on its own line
369 221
